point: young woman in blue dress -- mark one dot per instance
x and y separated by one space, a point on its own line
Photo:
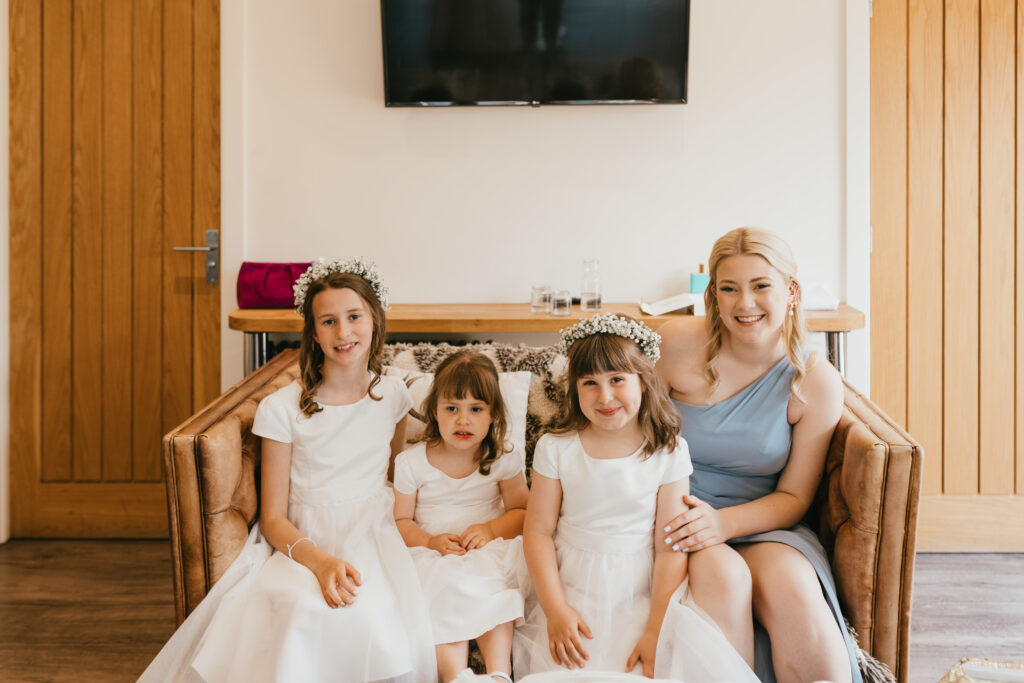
758 414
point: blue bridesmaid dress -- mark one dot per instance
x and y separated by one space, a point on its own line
739 448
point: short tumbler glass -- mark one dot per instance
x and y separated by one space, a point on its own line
561 303
540 299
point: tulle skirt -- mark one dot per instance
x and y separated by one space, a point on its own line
607 580
269 621
470 594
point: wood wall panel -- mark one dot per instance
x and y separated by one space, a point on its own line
960 244
963 261
117 240
924 234
57 334
26 156
86 337
888 209
992 524
147 161
1019 351
997 244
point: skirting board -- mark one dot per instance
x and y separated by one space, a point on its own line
971 524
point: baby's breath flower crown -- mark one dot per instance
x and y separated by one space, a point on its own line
609 323
355 266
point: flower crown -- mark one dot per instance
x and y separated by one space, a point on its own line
609 323
355 266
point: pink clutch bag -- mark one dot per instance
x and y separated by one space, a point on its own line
267 285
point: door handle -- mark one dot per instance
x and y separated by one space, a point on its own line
212 250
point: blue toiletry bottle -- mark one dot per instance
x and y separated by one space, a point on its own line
699 281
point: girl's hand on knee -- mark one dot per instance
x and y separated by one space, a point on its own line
446 544
644 653
339 581
697 528
564 629
476 536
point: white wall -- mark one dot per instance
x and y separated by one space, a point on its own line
475 204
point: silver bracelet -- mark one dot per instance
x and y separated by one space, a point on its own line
292 545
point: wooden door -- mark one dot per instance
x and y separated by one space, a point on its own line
947 266
115 338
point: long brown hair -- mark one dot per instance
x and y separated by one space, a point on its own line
311 356
468 373
599 353
774 250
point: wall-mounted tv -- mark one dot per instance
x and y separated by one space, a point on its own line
507 52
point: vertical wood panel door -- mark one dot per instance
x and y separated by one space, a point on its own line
947 267
115 337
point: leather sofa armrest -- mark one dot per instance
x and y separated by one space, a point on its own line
866 517
211 464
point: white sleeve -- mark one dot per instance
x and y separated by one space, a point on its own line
508 466
545 461
405 477
678 465
403 399
272 419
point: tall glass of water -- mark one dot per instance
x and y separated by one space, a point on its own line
590 289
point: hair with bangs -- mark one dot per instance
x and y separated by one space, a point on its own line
600 353
462 375
311 356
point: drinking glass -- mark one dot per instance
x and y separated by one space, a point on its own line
590 290
540 299
561 303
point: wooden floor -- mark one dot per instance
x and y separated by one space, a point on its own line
100 610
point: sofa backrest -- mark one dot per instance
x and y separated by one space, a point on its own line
545 364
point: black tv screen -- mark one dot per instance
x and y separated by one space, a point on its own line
493 52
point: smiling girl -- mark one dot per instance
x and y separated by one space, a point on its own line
607 588
324 589
460 499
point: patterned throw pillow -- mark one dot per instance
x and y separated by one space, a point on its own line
544 363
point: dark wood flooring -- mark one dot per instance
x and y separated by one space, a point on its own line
100 610
83 610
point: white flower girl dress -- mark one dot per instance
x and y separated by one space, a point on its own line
266 619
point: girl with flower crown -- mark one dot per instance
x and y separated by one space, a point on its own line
325 589
606 589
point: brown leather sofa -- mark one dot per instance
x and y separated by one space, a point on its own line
865 513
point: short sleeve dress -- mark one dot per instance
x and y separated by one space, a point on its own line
266 619
604 543
469 594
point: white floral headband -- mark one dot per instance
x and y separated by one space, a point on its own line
609 323
355 266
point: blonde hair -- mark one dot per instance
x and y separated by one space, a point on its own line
311 356
462 374
774 250
658 419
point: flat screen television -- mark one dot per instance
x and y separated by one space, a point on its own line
533 52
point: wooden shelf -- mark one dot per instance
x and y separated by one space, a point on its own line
465 318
